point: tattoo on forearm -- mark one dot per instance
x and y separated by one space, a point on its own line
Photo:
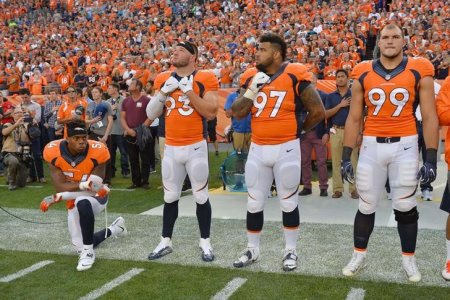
313 105
241 107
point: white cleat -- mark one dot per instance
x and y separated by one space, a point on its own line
410 267
207 251
118 227
356 264
289 260
427 195
164 247
86 260
249 256
446 271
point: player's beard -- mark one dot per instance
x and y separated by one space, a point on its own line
181 63
262 66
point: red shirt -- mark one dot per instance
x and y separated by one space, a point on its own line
6 106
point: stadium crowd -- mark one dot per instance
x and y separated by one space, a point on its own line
56 47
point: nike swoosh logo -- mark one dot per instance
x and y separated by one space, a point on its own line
289 150
406 148
197 148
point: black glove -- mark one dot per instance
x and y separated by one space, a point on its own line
346 166
427 173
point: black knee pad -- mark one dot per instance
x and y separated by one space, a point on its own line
255 221
407 217
291 219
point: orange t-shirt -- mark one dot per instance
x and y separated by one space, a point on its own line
276 109
390 97
65 80
78 168
67 110
184 125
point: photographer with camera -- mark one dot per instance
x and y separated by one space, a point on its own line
16 150
32 116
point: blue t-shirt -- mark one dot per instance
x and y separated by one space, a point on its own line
241 126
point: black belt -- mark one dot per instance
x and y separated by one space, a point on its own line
388 140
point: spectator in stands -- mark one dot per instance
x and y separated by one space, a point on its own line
74 108
48 74
80 80
92 78
36 82
52 104
13 81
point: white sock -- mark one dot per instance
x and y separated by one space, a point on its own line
253 239
291 237
448 249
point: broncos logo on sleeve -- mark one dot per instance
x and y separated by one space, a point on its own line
391 97
78 168
277 109
184 125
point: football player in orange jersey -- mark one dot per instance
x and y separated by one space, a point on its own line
77 167
390 87
278 95
189 98
443 109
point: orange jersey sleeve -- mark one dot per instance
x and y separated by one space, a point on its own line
184 125
443 110
391 96
77 168
276 111
246 77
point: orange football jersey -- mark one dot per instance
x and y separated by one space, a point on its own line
184 125
391 96
77 168
277 109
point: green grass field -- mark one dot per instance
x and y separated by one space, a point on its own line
182 275
161 281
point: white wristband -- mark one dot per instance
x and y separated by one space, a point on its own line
249 94
161 97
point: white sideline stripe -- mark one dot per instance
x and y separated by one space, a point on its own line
229 289
356 294
27 186
123 190
26 271
112 284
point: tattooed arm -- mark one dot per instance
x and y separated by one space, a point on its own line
313 105
241 107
